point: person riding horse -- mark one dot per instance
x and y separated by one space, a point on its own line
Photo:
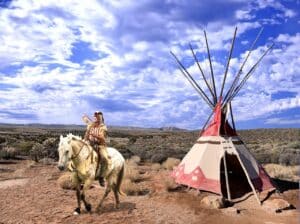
95 134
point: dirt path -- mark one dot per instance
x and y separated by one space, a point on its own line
30 194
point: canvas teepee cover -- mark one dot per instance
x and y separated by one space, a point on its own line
219 161
201 168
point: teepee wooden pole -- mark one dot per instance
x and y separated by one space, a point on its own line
202 73
193 82
195 87
249 179
211 69
242 66
228 62
231 114
238 88
226 176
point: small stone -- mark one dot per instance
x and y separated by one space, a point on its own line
213 202
276 205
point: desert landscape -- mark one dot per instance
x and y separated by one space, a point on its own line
33 190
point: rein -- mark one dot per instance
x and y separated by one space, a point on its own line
74 157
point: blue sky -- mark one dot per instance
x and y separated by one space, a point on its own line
62 59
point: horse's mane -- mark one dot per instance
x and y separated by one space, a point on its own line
71 136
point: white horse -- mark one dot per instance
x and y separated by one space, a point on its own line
77 154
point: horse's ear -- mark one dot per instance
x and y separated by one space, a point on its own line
61 137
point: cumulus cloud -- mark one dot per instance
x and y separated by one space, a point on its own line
60 59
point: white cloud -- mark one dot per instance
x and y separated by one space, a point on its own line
282 121
137 67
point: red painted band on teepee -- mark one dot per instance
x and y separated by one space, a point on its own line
263 182
218 127
213 129
195 179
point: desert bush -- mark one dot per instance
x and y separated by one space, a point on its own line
169 183
263 157
8 152
2 139
131 171
65 181
24 146
130 188
37 152
289 158
274 157
170 163
50 148
120 146
156 166
158 158
133 189
135 159
293 145
290 173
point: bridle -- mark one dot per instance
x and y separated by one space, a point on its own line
74 157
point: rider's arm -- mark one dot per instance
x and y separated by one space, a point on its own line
87 133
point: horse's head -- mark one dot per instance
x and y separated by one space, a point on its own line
64 151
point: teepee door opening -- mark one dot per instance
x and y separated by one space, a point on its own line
237 180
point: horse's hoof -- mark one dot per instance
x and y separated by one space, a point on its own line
117 206
88 207
76 211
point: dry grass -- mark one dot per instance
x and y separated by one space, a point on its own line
131 170
170 184
132 177
155 166
290 173
170 163
135 159
130 188
65 181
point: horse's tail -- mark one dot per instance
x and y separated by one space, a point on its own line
120 179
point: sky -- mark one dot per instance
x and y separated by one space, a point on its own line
62 59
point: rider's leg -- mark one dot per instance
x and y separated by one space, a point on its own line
105 163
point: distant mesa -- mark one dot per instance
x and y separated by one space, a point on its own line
170 128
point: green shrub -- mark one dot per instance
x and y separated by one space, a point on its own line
37 152
24 146
8 152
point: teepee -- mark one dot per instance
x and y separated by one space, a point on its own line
219 161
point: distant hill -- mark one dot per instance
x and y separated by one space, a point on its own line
80 127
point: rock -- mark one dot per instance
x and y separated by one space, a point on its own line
276 205
213 201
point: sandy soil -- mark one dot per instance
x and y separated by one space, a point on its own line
29 193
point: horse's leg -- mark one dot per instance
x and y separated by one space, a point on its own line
107 191
86 186
77 182
77 210
116 193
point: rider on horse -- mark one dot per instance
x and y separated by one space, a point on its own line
95 134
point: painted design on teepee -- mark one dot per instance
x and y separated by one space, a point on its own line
195 179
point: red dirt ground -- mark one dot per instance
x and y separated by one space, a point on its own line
29 193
